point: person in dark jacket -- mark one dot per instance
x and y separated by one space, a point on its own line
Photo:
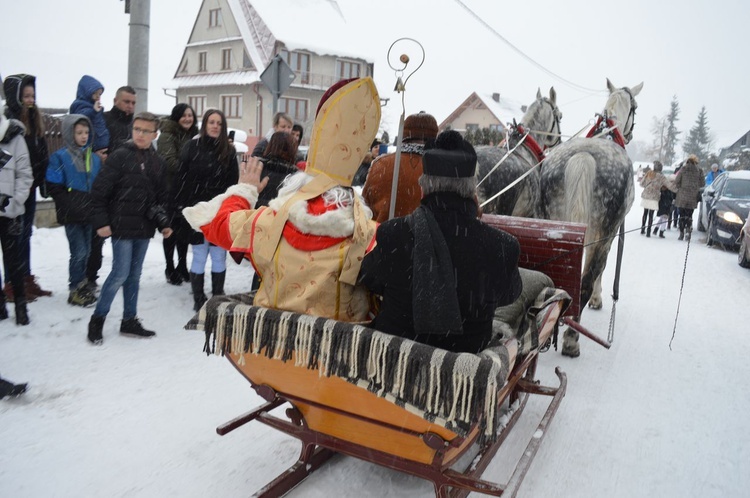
127 205
689 181
89 103
119 119
176 131
20 91
71 173
208 167
278 163
15 184
440 271
119 123
281 122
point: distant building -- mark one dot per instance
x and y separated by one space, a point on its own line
483 111
233 41
742 142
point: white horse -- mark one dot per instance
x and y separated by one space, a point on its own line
542 122
590 180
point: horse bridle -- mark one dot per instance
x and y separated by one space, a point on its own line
555 122
631 115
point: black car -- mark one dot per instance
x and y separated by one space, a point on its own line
725 207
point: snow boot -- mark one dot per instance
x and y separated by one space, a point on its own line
33 289
173 277
81 296
96 324
10 296
682 234
133 327
217 283
3 309
196 283
10 389
661 234
22 314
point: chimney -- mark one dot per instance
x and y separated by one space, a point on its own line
496 97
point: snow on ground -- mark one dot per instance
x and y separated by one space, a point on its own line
136 418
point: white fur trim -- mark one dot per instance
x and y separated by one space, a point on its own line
336 223
204 212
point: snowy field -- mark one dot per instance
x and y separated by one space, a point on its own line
136 418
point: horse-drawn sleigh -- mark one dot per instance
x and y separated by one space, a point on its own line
424 411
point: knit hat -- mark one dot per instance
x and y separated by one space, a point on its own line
421 127
451 157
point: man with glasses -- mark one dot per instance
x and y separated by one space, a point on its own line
128 202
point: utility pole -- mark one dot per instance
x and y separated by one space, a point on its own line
140 29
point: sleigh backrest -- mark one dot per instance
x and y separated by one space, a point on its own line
552 247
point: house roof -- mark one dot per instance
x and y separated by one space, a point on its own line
317 26
503 109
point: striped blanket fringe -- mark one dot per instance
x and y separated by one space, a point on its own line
453 390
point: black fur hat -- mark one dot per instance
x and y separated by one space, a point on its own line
451 157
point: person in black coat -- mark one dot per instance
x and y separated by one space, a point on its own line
278 163
127 205
119 122
208 167
440 271
119 119
20 91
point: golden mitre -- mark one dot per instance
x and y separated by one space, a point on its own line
346 123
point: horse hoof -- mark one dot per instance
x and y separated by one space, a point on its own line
573 352
595 306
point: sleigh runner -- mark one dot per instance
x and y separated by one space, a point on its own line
395 402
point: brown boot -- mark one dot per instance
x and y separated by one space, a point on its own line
33 289
10 296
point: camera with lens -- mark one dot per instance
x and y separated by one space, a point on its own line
158 215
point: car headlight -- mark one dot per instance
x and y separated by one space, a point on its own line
730 216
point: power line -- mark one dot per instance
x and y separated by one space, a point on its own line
522 54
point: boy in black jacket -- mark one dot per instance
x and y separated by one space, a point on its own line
126 206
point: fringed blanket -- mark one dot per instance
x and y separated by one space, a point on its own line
454 390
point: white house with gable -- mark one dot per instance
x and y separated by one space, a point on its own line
233 41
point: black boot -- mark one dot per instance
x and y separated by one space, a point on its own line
217 283
96 324
173 277
22 314
3 309
196 283
682 234
133 327
10 389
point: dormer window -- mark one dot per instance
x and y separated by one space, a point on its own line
214 18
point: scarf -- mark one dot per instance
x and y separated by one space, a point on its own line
434 299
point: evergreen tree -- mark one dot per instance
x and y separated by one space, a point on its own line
699 141
672 134
469 136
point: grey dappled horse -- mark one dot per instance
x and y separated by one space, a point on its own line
590 180
542 121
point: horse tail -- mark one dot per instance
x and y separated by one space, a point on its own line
579 186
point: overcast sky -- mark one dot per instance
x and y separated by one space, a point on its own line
696 50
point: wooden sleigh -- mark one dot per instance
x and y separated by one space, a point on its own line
332 410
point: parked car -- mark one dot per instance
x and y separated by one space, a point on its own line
743 256
725 207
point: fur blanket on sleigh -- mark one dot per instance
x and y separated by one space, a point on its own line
454 390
